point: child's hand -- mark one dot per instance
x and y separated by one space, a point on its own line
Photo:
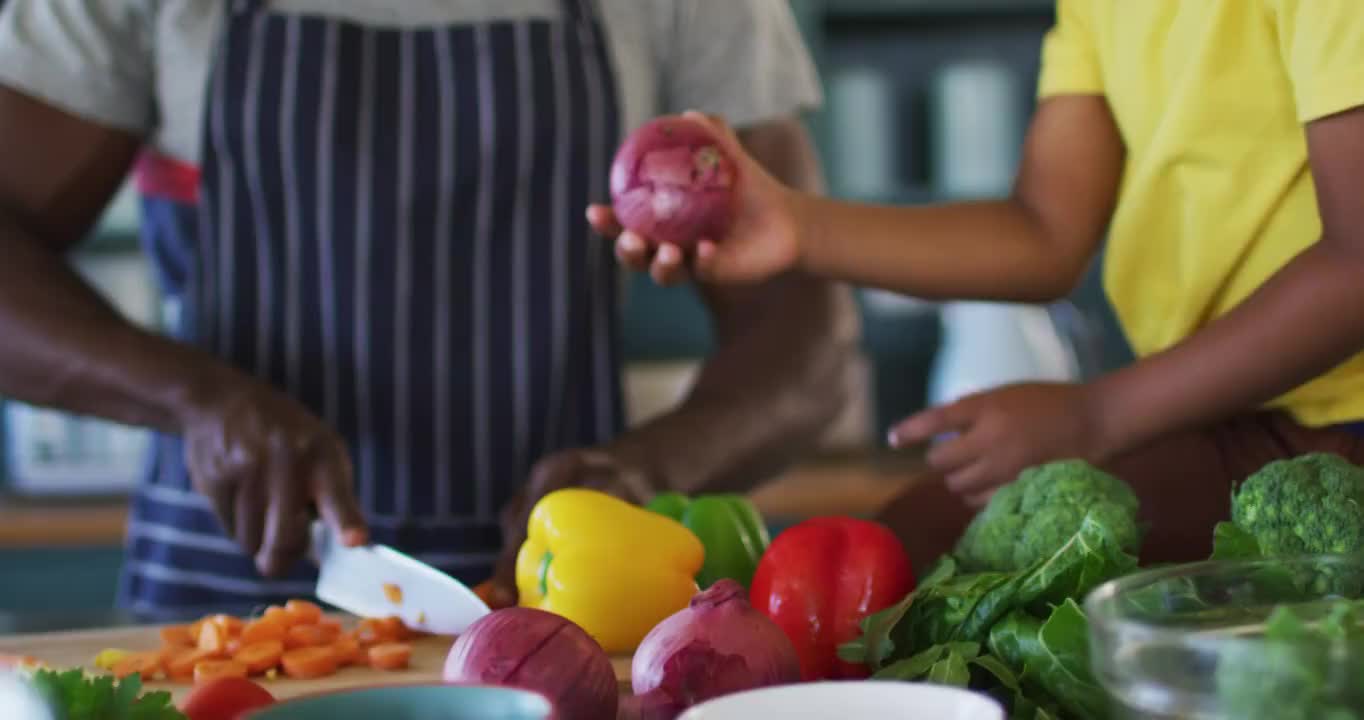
1002 432
763 241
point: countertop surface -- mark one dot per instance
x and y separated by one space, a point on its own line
848 485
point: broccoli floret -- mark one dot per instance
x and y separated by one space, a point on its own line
1033 516
1304 506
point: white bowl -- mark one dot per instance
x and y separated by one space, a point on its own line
851 700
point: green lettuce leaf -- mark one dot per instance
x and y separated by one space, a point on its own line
72 695
1053 654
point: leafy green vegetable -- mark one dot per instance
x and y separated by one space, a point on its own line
951 670
1299 670
74 696
1231 542
935 633
1054 655
922 664
1032 517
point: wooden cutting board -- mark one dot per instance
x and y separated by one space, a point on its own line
78 649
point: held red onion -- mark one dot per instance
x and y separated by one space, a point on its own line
717 646
672 183
536 650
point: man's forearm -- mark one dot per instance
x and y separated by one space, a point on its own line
762 400
1301 323
777 377
63 346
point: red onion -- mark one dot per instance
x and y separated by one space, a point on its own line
539 651
672 183
717 646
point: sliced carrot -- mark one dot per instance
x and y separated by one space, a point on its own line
177 636
348 650
303 612
180 666
261 656
370 631
146 664
211 669
232 646
277 614
12 662
390 656
331 626
301 636
394 629
194 629
393 593
211 638
264 629
231 626
310 662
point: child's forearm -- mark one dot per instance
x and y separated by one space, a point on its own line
988 250
1034 246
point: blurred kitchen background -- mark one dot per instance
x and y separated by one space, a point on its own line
926 100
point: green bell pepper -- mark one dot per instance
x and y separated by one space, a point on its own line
729 527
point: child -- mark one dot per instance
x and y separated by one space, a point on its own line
1220 146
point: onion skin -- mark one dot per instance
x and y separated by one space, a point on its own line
539 651
671 182
717 646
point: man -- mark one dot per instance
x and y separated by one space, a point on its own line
393 309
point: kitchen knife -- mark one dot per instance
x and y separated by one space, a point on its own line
378 581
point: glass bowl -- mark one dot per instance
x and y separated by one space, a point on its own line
1190 642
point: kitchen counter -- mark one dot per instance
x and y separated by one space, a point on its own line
856 484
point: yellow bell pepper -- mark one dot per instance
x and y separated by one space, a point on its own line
615 569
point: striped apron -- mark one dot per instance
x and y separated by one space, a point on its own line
387 225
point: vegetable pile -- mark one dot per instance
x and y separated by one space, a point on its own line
294 638
1003 618
1001 614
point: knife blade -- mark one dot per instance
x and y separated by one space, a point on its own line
379 581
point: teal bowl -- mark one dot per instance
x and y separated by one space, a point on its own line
412 702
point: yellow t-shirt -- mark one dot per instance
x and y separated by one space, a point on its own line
1211 98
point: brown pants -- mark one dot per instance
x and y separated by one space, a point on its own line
1184 483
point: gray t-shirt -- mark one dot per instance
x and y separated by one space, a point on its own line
142 65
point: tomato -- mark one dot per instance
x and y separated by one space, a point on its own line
225 698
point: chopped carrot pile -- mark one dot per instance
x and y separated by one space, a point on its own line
294 639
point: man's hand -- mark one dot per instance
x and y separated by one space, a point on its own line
263 460
996 434
763 241
590 468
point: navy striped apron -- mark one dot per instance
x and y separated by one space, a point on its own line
387 225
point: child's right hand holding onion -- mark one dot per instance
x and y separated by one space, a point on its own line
688 199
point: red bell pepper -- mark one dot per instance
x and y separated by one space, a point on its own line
820 578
